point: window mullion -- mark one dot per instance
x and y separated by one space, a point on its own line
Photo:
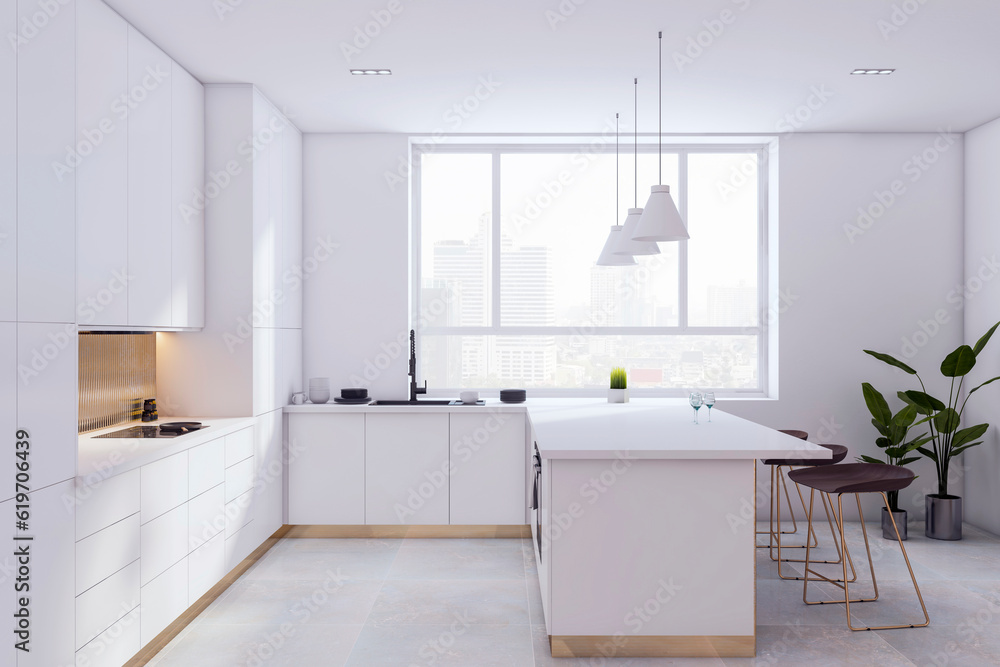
682 250
494 269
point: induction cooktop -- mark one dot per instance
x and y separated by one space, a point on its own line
147 431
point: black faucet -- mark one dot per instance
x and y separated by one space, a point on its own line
414 389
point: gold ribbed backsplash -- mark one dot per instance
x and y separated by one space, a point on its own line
117 371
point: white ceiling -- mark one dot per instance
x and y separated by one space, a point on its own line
571 79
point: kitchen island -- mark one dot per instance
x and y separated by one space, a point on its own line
644 527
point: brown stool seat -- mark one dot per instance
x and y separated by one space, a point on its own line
854 478
839 454
801 435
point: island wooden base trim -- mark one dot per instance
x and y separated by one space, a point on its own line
652 646
419 532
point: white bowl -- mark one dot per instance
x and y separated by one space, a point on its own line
469 396
319 395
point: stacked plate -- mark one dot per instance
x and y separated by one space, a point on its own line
319 390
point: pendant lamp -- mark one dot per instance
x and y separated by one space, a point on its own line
626 245
660 220
608 256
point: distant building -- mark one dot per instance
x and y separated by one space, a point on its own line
732 306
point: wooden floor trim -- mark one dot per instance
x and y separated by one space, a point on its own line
416 532
157 643
652 646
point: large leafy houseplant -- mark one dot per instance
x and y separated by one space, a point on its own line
893 430
947 440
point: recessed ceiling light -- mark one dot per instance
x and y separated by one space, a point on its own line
872 71
376 72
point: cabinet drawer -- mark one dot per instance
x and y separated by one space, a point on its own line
238 513
238 547
206 516
163 600
107 602
106 502
206 567
239 446
164 541
115 646
164 486
106 551
206 466
239 479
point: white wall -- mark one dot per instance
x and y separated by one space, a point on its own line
355 310
982 310
846 289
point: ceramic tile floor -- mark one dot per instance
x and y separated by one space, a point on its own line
470 602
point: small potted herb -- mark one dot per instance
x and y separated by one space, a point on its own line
618 393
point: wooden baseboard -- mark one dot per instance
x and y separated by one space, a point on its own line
157 643
638 646
422 532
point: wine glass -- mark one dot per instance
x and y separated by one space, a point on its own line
695 399
709 399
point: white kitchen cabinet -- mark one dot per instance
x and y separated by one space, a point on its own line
206 567
105 502
206 516
115 646
164 485
46 163
488 462
239 479
239 446
163 542
326 469
406 469
102 177
163 600
8 388
47 398
52 567
274 154
289 365
265 371
8 169
239 545
239 513
290 310
7 600
188 206
206 466
265 227
104 604
150 219
269 497
105 552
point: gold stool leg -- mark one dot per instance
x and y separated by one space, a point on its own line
827 507
839 583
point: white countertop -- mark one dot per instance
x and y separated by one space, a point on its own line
106 457
491 405
656 429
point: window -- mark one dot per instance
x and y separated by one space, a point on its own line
507 292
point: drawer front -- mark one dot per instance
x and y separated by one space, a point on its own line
206 516
206 466
107 602
239 446
115 646
239 546
239 479
164 486
238 513
163 600
164 541
206 567
106 552
106 502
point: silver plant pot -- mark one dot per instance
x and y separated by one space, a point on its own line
887 532
944 517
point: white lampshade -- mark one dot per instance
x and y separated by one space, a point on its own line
608 256
660 220
628 246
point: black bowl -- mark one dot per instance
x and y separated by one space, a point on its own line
354 392
513 395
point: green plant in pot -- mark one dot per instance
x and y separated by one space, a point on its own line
947 440
893 431
618 393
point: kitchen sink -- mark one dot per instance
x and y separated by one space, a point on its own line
448 401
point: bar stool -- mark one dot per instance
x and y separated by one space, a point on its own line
801 435
856 478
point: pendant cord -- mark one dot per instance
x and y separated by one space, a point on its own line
660 132
635 145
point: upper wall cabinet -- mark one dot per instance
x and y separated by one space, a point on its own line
149 184
188 209
46 162
8 167
102 178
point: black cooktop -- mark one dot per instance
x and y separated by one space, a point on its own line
145 431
